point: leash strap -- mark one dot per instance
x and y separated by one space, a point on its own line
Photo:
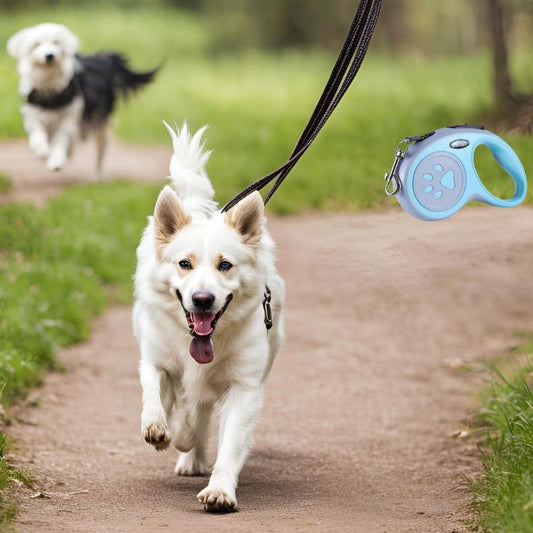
346 68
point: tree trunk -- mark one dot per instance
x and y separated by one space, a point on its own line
503 87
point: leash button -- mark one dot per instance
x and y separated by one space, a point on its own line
459 143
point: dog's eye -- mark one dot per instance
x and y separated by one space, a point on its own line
224 265
185 264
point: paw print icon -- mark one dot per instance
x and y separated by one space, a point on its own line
439 181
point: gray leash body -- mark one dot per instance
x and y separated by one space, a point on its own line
346 68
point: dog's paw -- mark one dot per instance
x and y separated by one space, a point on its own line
56 161
216 500
189 465
157 435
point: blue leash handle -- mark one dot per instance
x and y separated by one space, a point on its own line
435 176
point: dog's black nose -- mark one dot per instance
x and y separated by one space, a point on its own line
203 299
49 58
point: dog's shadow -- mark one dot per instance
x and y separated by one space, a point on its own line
275 478
270 478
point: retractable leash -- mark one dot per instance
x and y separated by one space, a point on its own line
433 175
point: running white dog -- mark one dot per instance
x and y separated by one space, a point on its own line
67 95
198 270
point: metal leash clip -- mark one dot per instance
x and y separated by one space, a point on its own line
267 308
393 183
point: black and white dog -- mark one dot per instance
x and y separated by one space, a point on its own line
67 95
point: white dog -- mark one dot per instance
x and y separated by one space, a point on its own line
67 95
198 270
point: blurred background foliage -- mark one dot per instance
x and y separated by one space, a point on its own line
420 27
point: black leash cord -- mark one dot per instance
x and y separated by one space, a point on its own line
341 77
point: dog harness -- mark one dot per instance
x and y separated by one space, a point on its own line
50 100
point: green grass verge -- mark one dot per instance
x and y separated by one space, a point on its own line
503 496
59 267
6 183
8 476
257 103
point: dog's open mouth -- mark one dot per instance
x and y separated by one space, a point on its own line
202 327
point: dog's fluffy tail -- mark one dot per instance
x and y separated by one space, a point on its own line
125 79
188 176
104 76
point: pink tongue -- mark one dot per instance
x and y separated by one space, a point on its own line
202 323
201 349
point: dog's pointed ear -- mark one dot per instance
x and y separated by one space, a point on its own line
169 217
14 44
247 218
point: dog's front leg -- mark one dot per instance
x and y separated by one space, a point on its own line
37 136
59 148
63 138
239 412
153 423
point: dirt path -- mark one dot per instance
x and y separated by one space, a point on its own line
360 408
33 181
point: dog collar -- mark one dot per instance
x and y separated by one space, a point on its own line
50 100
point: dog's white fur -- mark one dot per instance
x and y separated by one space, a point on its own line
179 394
52 133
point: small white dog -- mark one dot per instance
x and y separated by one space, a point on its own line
198 270
67 95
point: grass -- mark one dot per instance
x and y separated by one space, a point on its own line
60 267
6 183
57 275
8 477
503 497
258 103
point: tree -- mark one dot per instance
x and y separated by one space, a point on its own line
514 110
503 87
